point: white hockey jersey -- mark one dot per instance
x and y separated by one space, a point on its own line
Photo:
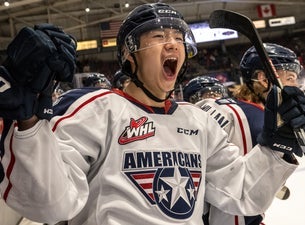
110 160
242 130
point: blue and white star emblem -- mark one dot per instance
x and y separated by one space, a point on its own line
174 192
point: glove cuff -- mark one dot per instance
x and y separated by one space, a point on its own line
279 143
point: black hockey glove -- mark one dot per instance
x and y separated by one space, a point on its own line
36 57
281 120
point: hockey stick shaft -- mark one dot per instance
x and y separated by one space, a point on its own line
240 23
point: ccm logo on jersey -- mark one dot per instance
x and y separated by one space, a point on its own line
187 131
137 130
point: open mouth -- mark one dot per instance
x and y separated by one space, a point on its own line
170 66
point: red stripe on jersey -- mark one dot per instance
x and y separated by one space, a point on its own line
143 176
236 220
242 129
78 108
167 103
197 175
146 185
9 169
252 103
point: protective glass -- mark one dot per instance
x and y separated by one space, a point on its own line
179 32
294 67
212 92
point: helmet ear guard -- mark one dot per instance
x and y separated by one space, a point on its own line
131 43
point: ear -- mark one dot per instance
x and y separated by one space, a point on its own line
127 55
130 58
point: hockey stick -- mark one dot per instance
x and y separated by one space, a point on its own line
283 194
240 23
235 21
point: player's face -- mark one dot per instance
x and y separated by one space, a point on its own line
160 57
288 78
211 94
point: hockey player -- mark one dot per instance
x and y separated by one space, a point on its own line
243 116
137 157
203 87
96 80
120 80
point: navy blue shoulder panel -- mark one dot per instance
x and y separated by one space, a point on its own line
61 105
255 117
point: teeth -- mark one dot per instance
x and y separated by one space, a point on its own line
172 59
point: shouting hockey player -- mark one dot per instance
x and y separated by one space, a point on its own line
134 156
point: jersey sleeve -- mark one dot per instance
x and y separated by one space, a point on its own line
52 170
242 185
231 119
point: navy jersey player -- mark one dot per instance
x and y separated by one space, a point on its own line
120 80
243 117
203 87
96 80
137 156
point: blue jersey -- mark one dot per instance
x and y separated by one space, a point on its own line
255 117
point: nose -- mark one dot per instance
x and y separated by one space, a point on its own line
171 43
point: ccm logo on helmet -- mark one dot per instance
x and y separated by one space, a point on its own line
167 11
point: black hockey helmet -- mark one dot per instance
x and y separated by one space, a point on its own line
96 80
148 17
281 57
198 86
119 79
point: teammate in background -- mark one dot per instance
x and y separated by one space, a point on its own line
136 156
91 82
96 80
203 87
243 117
120 80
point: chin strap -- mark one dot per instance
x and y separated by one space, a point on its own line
140 84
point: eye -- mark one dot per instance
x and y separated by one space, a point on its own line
179 39
158 34
161 36
178 36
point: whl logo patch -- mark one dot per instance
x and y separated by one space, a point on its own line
139 129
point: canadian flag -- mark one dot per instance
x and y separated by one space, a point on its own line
266 10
